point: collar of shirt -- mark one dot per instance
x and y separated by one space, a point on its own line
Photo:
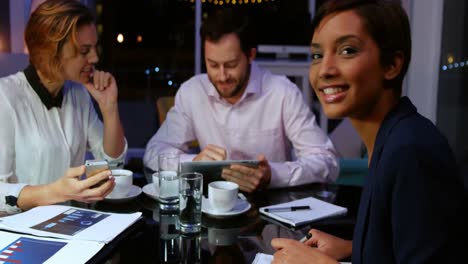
46 98
253 85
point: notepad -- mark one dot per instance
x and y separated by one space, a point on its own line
318 210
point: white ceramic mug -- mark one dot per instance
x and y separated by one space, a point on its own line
123 183
222 195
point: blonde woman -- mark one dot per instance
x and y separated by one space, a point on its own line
48 119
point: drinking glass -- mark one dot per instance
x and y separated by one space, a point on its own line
190 199
168 164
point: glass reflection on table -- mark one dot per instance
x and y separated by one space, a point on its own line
235 239
169 246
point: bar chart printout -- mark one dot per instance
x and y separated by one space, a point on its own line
71 222
29 250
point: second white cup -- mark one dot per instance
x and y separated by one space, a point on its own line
222 195
123 183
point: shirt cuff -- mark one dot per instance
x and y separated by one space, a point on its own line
10 197
116 162
187 157
279 175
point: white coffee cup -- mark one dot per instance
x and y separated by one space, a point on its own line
123 183
222 195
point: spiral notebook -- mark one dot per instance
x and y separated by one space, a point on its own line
318 210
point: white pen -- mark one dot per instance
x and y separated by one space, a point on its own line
307 237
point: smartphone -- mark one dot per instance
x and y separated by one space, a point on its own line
93 167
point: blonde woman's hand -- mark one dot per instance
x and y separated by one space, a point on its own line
88 190
103 88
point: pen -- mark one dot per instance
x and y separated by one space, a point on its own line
307 237
287 209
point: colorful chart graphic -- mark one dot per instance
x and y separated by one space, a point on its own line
71 222
29 250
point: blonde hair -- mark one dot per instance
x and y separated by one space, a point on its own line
48 28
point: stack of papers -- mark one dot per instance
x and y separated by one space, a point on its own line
318 210
69 230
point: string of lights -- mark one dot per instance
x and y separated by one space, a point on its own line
452 64
232 2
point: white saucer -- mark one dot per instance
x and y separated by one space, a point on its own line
134 192
241 206
152 192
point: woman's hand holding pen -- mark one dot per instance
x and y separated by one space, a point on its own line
333 246
295 252
316 247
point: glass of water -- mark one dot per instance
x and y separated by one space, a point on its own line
190 199
168 164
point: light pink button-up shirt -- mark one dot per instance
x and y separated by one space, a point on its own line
271 118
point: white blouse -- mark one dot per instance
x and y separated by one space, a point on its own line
38 145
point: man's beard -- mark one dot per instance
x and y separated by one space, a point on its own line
239 87
232 93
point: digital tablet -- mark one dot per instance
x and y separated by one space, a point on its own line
213 169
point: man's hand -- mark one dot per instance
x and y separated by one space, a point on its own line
249 179
211 152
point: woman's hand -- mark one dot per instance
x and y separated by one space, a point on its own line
333 246
88 190
69 187
292 251
103 89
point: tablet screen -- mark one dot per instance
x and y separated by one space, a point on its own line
212 170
